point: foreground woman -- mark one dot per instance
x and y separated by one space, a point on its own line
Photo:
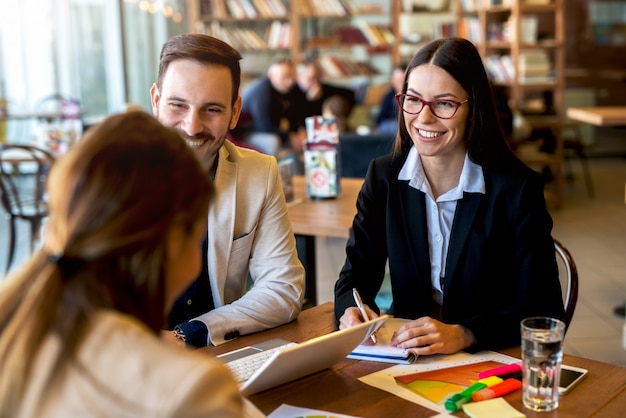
80 318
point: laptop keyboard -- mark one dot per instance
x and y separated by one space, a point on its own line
245 367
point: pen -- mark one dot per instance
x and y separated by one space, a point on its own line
455 402
500 371
501 389
359 304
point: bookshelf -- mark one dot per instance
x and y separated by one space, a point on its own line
351 39
522 44
260 29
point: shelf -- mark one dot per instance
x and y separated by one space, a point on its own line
498 45
538 8
497 10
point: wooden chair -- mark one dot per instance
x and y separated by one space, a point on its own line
569 281
23 175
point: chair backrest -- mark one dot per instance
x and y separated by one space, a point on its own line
23 175
356 151
568 274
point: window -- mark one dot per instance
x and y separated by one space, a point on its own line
77 48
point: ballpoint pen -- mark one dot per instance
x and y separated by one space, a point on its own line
359 304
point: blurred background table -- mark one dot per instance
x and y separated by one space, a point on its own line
599 116
313 218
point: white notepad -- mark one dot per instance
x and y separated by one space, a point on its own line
383 351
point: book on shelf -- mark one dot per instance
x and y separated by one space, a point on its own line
278 8
272 34
350 35
537 79
286 36
387 34
327 7
243 9
205 7
236 9
253 39
376 35
471 29
444 29
214 8
534 62
535 67
278 35
333 66
247 5
270 8
330 67
499 31
239 38
500 68
262 8
528 29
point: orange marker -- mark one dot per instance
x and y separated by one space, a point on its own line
501 389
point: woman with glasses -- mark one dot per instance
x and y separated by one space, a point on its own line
460 221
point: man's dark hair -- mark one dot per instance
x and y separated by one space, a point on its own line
204 49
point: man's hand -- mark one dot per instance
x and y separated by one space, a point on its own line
170 338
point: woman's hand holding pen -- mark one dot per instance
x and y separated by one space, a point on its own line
426 336
352 316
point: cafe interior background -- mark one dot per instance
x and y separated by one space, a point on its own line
104 54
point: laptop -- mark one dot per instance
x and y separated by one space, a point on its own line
279 361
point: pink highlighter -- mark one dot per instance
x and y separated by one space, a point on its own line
500 371
500 389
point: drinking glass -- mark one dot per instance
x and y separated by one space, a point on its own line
542 352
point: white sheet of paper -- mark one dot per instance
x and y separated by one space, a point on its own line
290 411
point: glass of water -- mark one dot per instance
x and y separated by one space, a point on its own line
542 352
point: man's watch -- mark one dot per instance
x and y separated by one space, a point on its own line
179 335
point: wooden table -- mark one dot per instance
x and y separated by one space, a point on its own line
312 218
599 116
602 393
